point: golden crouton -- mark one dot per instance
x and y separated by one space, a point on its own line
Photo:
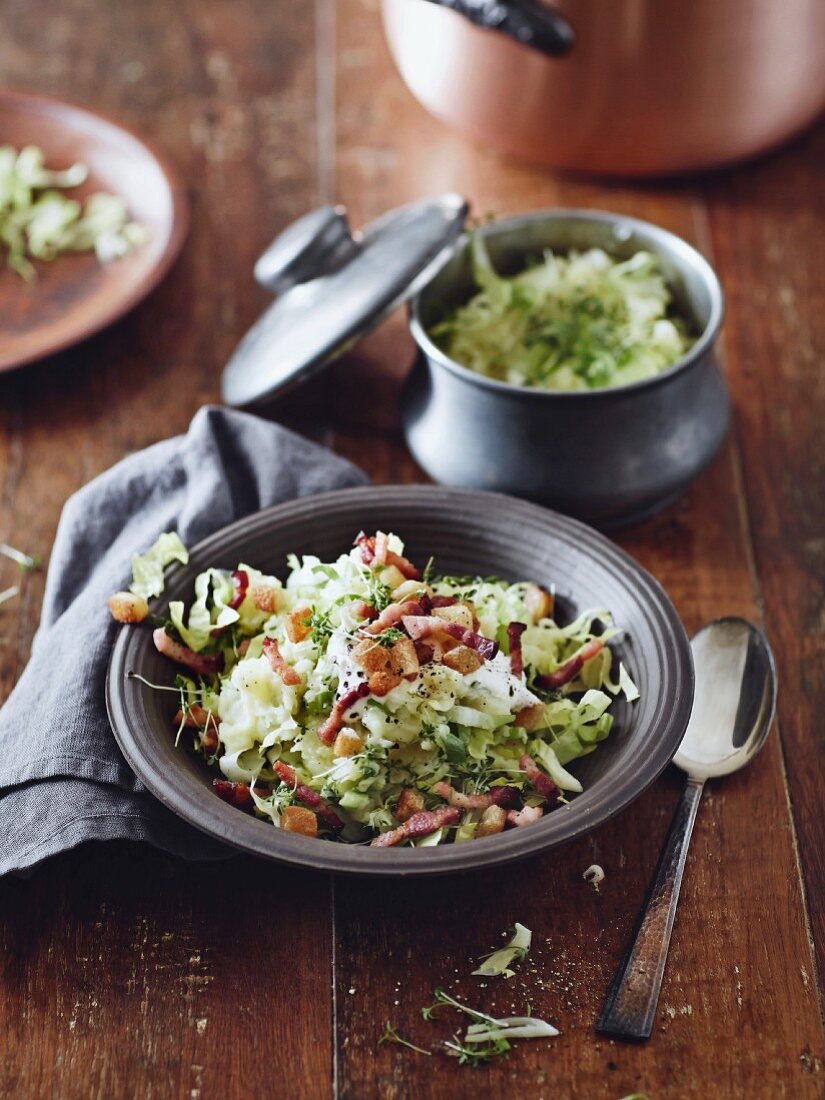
539 602
382 682
532 718
298 819
347 743
405 658
386 666
409 803
264 597
126 607
462 659
297 624
492 821
456 613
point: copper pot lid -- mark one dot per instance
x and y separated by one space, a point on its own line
334 287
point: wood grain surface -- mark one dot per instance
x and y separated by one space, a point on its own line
124 973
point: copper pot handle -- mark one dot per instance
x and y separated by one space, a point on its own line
528 22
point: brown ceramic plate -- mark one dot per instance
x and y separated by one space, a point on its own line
466 532
75 295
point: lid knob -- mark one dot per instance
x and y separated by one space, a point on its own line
319 243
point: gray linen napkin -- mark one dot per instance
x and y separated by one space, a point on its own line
63 780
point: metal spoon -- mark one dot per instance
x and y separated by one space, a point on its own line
732 713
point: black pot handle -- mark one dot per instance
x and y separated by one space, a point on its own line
530 23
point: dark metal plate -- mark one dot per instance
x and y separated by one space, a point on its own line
466 532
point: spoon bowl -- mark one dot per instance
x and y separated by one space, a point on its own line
734 702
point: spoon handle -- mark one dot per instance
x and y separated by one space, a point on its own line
630 1007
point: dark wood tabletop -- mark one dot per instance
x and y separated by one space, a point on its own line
126 973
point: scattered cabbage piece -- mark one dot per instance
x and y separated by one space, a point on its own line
26 562
9 593
513 951
487 1037
510 1027
38 220
147 569
594 875
575 322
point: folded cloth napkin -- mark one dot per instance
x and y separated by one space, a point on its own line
63 780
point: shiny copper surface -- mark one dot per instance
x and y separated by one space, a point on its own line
650 86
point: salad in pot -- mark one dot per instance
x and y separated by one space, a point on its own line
366 701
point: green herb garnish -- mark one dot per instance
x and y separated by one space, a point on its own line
320 626
391 1036
387 638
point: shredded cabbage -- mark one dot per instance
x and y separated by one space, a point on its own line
147 569
572 322
38 220
437 725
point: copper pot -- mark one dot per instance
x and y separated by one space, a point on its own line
628 87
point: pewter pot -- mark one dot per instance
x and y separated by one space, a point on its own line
609 456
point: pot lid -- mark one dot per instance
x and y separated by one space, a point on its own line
334 287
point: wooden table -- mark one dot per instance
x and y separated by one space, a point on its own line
128 974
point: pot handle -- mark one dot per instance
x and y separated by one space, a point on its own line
528 22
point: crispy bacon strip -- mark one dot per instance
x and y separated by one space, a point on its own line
303 793
570 669
381 548
197 717
392 615
506 797
285 773
418 825
542 783
287 673
485 646
328 731
330 818
367 547
240 581
461 800
443 601
204 664
421 626
403 565
374 551
527 816
236 794
308 796
514 633
364 610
